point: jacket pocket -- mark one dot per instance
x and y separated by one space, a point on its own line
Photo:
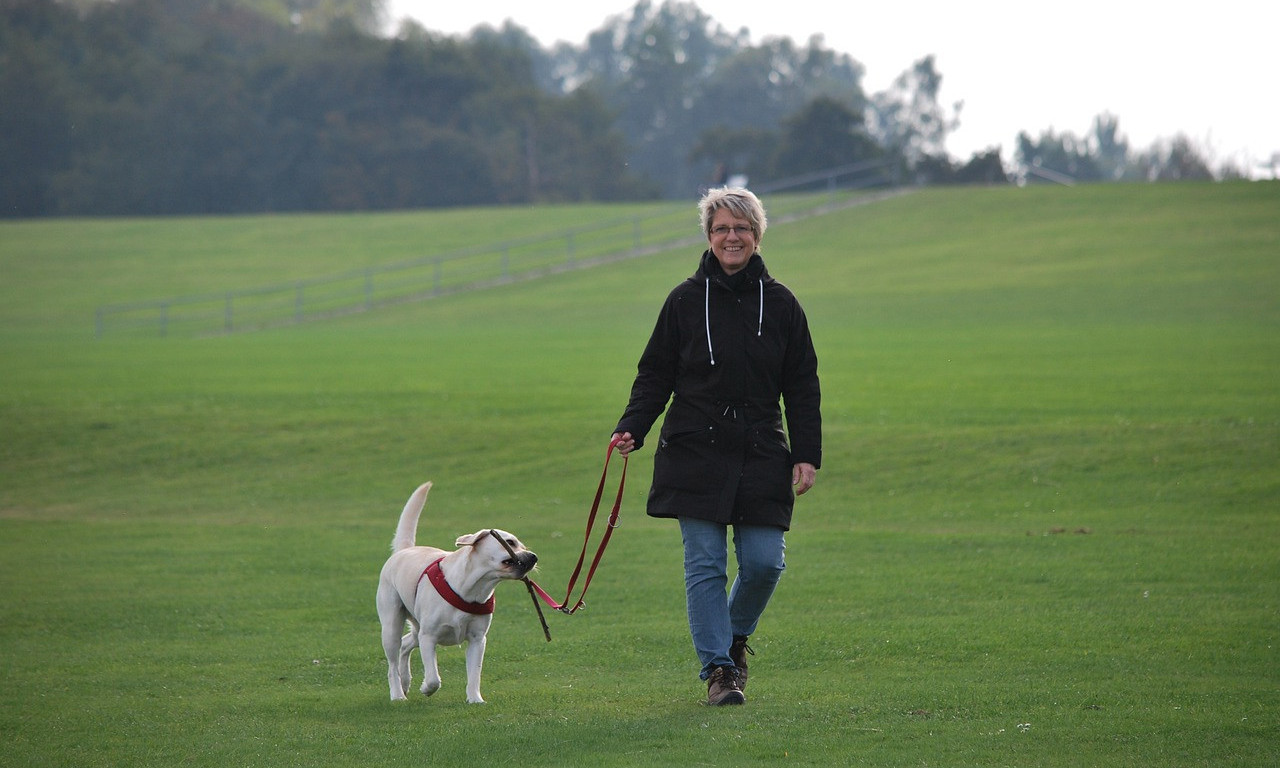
768 467
683 460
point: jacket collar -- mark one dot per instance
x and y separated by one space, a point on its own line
709 269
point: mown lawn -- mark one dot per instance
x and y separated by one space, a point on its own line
1045 532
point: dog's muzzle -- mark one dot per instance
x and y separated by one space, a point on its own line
521 563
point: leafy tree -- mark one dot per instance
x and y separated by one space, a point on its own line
1110 147
907 118
320 15
1063 154
676 79
982 168
729 151
208 106
648 69
1176 159
825 134
1104 155
205 106
37 94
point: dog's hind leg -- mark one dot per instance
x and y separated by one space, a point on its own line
407 644
392 615
397 663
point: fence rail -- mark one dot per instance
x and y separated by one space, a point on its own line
436 275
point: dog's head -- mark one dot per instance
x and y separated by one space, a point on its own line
506 554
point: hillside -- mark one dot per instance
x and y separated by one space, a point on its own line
1043 534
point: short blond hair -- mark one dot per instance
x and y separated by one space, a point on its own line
741 202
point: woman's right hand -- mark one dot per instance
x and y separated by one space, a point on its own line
625 443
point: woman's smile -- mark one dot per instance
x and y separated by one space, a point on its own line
732 239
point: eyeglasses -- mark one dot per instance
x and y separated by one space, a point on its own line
722 230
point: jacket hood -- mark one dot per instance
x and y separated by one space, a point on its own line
709 270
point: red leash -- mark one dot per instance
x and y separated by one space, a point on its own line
604 541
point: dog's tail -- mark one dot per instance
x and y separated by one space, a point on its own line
406 531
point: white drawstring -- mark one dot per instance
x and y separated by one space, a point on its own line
706 316
760 320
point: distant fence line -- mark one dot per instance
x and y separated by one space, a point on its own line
436 275
365 289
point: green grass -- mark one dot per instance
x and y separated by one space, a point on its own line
1045 532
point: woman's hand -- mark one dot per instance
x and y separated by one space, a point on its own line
626 443
803 476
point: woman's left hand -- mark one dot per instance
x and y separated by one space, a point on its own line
803 476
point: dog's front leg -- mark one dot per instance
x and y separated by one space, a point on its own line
430 672
475 663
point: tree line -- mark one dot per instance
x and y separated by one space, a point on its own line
145 107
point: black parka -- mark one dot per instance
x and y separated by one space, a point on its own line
725 350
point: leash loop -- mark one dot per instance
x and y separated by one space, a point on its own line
536 591
563 606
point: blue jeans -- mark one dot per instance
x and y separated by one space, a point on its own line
714 617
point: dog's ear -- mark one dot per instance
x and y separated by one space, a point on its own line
469 539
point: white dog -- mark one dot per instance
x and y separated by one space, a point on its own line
447 597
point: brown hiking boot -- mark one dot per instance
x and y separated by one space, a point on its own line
722 687
738 652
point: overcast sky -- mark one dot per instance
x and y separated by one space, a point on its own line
1204 70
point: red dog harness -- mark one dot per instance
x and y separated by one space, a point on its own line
437 579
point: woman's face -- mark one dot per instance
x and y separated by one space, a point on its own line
732 240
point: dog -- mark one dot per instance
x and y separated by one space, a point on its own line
447 597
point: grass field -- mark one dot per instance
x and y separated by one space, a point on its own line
1046 532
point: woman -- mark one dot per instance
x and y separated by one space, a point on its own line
730 342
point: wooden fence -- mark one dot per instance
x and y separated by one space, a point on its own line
440 274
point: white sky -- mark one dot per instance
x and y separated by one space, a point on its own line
1206 71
